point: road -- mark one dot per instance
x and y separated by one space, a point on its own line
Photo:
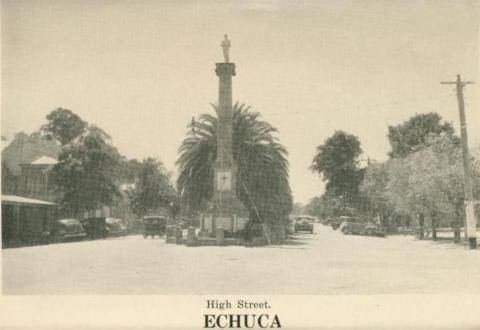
326 262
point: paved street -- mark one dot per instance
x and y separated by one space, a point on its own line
327 262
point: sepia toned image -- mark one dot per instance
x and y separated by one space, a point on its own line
240 148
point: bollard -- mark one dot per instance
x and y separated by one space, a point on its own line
178 235
170 234
170 231
220 236
191 238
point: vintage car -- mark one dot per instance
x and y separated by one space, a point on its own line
115 227
95 227
336 222
154 225
182 222
186 222
355 227
304 223
67 229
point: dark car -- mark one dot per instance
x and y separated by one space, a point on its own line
186 222
337 221
154 225
95 227
355 227
182 222
115 227
304 223
67 229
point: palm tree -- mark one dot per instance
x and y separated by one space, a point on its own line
262 176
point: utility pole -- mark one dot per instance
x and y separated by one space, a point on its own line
470 221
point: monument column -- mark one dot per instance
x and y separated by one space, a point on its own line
224 161
228 211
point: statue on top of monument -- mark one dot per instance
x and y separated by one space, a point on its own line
226 46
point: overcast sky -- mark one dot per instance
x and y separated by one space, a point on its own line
142 69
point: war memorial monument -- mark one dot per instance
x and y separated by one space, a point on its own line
227 215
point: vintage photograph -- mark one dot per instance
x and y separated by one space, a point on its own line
264 147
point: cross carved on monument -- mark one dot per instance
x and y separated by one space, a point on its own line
224 178
226 47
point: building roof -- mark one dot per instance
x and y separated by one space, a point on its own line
13 199
24 149
44 160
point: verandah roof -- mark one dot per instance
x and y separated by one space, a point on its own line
13 199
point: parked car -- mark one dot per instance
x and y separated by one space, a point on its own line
95 227
355 227
304 223
115 227
154 225
67 229
182 222
337 221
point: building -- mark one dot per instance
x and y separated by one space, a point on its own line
28 208
37 180
29 191
23 149
26 221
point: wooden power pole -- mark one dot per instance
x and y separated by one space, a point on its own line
471 223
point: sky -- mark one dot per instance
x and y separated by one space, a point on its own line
142 69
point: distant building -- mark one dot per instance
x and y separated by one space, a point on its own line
37 180
28 184
24 149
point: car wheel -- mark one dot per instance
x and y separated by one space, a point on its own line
59 237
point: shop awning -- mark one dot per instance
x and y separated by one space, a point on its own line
13 199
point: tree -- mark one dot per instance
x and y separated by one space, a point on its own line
86 173
429 183
414 134
64 126
152 188
129 169
327 206
337 162
374 190
298 209
262 176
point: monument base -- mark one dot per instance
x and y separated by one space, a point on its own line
231 224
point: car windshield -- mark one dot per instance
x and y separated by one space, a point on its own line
69 222
306 219
153 218
113 221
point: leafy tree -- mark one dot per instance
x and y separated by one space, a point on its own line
86 174
152 188
414 134
129 169
262 177
64 126
327 206
337 161
298 209
374 189
429 182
